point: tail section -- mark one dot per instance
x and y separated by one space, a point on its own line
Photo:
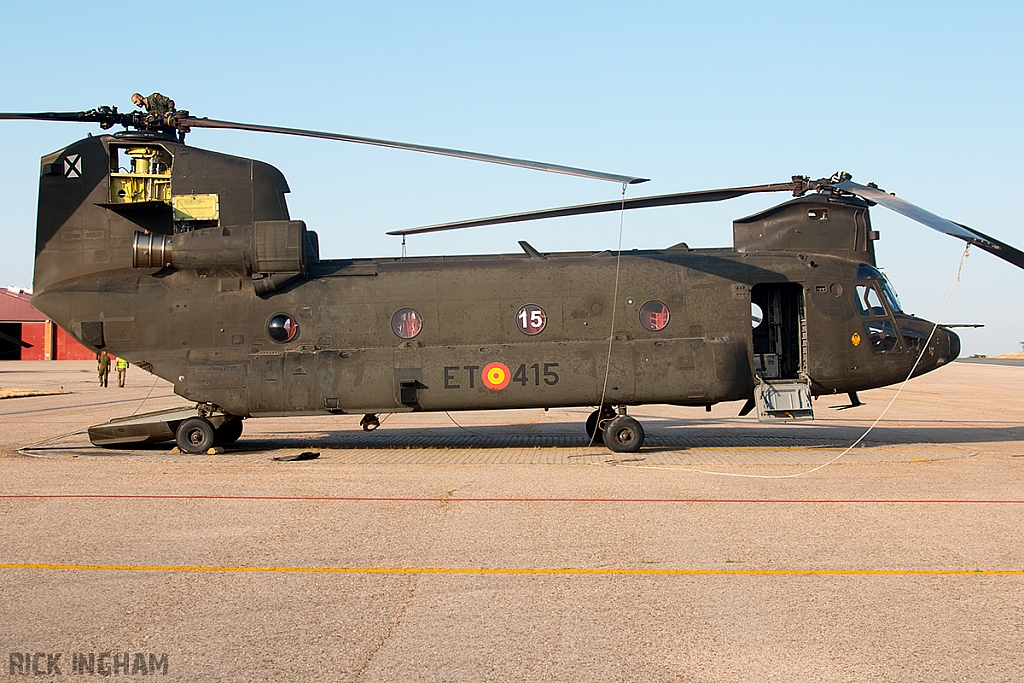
95 196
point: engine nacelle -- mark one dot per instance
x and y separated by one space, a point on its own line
273 252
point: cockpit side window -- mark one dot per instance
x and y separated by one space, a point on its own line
868 301
880 330
866 272
883 336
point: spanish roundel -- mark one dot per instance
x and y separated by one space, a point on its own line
496 376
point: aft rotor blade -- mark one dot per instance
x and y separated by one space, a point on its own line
699 197
905 208
444 151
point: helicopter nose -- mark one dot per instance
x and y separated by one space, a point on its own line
953 345
943 348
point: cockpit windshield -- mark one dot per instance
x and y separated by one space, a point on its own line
890 296
866 272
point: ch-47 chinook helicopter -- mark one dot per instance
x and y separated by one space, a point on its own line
186 262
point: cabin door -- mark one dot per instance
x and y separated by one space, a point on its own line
782 389
780 340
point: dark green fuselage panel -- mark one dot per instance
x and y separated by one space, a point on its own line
206 328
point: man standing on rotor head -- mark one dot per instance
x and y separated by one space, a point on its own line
156 104
159 110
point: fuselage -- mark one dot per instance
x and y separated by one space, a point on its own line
210 334
190 266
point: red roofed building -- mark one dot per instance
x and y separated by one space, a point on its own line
26 334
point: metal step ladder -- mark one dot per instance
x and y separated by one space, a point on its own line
783 400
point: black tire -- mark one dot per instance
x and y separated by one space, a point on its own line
596 422
195 435
593 433
623 435
229 431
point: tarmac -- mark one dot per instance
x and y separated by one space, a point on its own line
500 546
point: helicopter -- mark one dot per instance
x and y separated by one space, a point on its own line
186 262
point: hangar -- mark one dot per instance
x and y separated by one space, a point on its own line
27 334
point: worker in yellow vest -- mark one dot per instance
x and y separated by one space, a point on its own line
122 369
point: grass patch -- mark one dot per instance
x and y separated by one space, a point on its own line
26 393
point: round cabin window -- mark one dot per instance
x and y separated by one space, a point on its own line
406 323
654 316
282 328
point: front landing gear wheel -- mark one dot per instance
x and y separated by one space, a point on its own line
369 422
623 435
195 435
596 420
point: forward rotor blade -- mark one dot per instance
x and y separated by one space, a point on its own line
192 122
905 208
107 117
699 197
49 116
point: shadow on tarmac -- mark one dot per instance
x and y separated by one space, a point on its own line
659 438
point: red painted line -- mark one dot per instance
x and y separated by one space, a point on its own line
403 499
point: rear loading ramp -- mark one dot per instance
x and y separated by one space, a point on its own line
149 427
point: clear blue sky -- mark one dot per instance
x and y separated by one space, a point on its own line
923 98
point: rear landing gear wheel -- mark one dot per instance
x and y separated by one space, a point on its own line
623 435
228 432
195 435
369 422
596 420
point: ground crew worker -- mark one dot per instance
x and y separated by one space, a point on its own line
156 104
103 367
122 369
